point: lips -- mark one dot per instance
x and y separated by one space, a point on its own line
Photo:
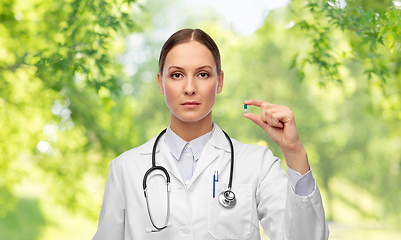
190 103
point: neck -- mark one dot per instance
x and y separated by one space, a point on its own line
188 131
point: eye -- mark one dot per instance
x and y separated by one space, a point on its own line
203 75
176 75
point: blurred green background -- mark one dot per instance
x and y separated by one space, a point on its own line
78 87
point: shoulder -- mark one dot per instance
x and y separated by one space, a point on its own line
134 155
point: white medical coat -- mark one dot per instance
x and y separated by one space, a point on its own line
259 182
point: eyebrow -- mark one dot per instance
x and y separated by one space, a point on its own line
199 68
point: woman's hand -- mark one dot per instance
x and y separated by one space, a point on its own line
279 123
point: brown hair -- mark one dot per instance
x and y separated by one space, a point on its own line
186 35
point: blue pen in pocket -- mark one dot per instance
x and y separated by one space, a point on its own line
215 179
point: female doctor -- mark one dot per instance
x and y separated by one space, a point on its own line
218 187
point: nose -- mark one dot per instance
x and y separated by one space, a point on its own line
190 88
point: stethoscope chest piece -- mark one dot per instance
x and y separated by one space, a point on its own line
227 199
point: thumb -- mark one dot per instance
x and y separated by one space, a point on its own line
256 119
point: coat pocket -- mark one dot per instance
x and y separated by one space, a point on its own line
230 223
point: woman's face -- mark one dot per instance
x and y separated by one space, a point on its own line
190 81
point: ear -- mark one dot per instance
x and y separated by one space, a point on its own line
160 82
220 82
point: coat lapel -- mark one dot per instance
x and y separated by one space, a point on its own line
163 156
209 155
210 152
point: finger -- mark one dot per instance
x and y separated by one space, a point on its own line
258 103
284 117
256 119
268 115
276 121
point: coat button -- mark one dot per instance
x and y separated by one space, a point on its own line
186 230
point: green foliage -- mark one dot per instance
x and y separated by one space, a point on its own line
60 56
24 222
373 28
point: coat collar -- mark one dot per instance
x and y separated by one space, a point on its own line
218 140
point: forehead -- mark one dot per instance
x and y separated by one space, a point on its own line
189 54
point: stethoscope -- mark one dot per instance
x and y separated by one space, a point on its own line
226 198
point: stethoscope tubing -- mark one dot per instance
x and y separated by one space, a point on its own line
145 177
230 181
168 210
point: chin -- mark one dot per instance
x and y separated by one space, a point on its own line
190 118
